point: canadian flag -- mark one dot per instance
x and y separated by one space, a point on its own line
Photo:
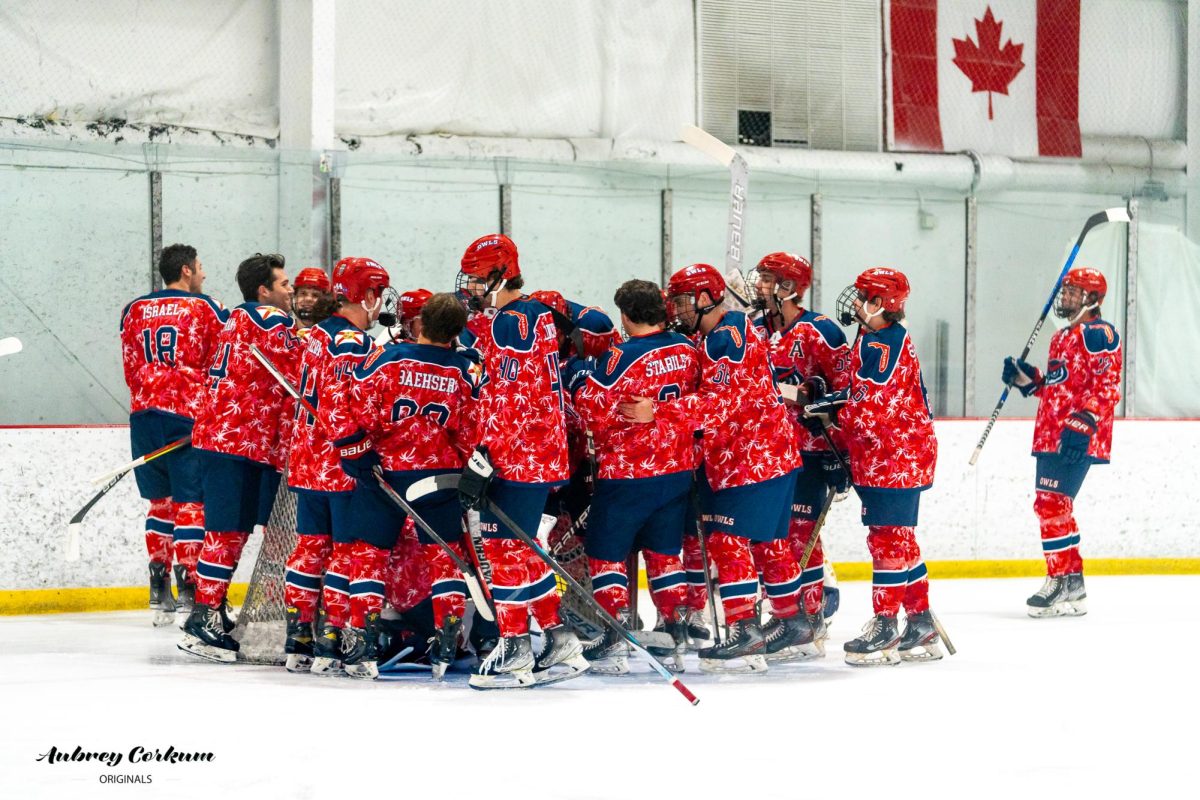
997 76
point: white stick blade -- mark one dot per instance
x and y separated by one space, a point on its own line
708 144
1119 214
421 488
72 551
10 346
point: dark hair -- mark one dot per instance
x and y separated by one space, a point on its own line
257 270
893 316
173 259
442 318
642 302
517 282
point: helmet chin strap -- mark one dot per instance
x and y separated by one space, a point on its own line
496 289
1083 309
372 310
866 318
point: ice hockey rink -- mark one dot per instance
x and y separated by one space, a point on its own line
1097 706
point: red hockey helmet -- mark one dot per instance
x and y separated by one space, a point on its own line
889 285
312 278
788 267
490 253
553 300
690 282
411 303
1088 279
354 277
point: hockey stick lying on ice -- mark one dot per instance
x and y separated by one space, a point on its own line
482 601
937 624
113 478
137 462
436 482
739 176
10 345
1099 218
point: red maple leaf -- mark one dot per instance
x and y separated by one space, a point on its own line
990 67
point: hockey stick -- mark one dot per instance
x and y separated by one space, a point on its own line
1099 218
842 460
482 600
451 481
739 175
468 575
73 527
137 462
709 587
10 345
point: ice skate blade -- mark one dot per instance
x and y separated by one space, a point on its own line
1071 608
656 641
162 618
363 671
439 670
880 658
561 671
194 647
329 667
298 663
797 653
519 679
743 665
612 665
930 651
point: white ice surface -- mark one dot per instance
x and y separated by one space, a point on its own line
1099 706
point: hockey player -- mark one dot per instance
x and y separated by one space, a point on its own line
885 416
806 348
312 301
237 441
644 472
1076 398
333 349
412 413
411 304
750 461
167 342
584 331
523 439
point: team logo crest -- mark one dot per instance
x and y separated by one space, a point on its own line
269 312
347 337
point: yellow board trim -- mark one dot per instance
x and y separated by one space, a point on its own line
53 601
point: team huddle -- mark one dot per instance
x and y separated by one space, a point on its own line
430 462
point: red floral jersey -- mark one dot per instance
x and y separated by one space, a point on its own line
662 366
1083 374
812 346
596 330
417 402
167 343
246 405
521 399
888 426
333 349
747 429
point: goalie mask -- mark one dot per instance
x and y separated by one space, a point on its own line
1082 292
684 306
887 287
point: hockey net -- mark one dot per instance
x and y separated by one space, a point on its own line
262 623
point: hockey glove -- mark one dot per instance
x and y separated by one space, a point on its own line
1026 377
476 475
834 474
1076 437
823 411
358 457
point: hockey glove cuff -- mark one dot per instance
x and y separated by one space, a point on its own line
358 457
834 474
1076 437
476 476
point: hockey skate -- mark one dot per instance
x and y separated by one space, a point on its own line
360 647
327 650
299 643
876 645
162 602
205 637
508 666
672 655
609 654
561 657
792 639
185 588
1061 596
698 634
920 641
743 652
443 647
228 617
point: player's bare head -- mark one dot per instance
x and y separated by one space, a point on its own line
442 318
179 263
489 266
1083 290
641 302
875 299
262 279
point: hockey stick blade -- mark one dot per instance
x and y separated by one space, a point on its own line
708 144
434 483
72 552
10 345
74 527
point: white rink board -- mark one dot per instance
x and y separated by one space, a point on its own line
1131 508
